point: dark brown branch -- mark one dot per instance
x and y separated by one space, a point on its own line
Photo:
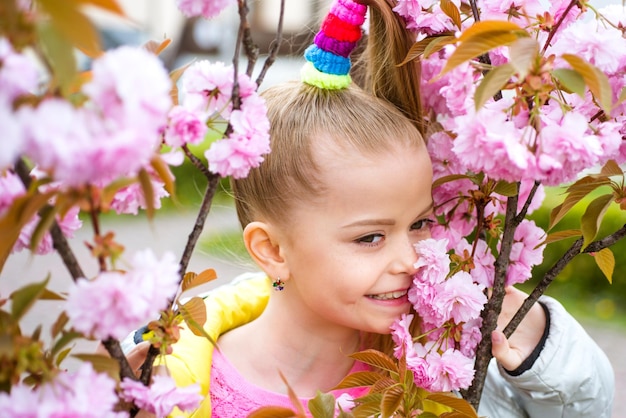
197 163
146 367
245 37
493 307
114 349
522 214
205 207
569 255
275 45
59 241
555 28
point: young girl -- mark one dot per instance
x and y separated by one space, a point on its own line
331 217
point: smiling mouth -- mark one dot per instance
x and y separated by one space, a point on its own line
389 296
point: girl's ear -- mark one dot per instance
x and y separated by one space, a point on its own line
264 246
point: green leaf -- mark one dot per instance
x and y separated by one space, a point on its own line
148 191
492 83
322 406
447 179
561 235
272 412
377 359
47 216
595 79
24 298
295 401
438 44
459 405
66 338
523 53
391 401
431 43
482 37
358 379
59 324
477 46
611 168
367 409
60 54
487 27
450 9
506 189
571 80
68 19
605 259
592 217
19 214
62 356
191 280
102 364
576 193
383 384
194 314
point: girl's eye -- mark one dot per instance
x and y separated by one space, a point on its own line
422 224
371 239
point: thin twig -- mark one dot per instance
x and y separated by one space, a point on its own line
250 48
197 163
522 213
200 221
59 241
555 28
273 52
114 349
569 255
493 307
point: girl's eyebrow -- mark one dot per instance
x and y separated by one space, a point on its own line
384 221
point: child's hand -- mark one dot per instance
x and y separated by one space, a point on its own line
512 352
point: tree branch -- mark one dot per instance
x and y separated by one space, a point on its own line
569 255
493 307
59 241
278 40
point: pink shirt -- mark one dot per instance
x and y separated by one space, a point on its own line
233 396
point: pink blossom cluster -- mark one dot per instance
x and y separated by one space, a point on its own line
204 8
11 188
114 133
116 302
162 396
206 90
65 397
566 138
448 306
18 76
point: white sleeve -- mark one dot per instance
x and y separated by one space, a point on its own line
572 377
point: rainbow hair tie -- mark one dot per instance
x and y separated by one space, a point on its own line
328 58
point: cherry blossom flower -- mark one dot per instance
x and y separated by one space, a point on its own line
18 73
204 8
114 303
459 298
64 397
184 127
526 252
483 260
452 368
162 396
13 137
401 335
433 262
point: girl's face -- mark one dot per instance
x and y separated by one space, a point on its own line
350 252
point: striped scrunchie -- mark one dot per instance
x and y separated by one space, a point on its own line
328 58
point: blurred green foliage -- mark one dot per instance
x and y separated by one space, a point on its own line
581 286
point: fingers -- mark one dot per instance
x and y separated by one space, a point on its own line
503 353
138 354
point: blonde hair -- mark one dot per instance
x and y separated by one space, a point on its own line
374 119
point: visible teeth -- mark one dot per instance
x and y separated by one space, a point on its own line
390 295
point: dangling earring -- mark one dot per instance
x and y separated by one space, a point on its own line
278 284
